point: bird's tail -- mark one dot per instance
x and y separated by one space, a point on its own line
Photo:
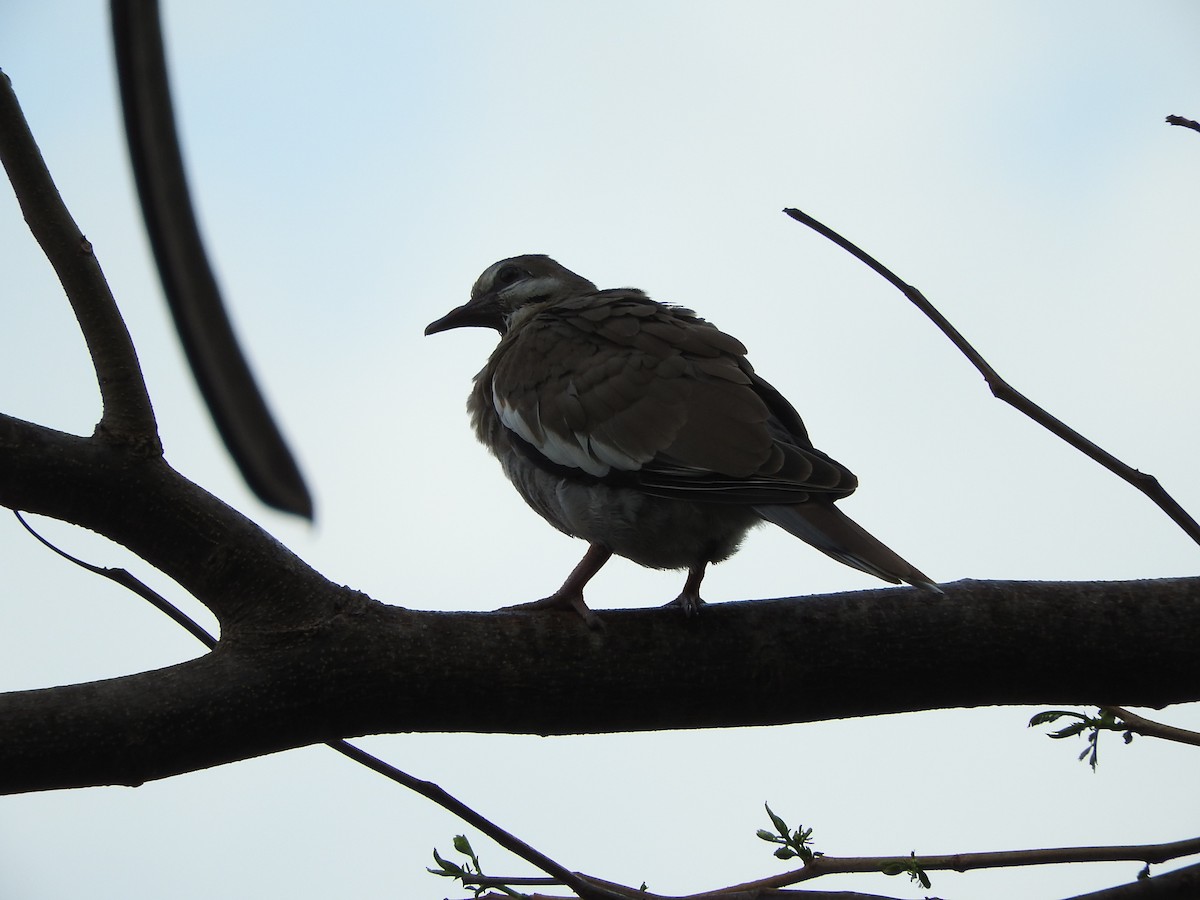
835 534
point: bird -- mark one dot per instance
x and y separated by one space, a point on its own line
643 429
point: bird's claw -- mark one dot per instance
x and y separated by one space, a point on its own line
568 601
689 602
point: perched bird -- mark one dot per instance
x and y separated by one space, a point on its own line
642 428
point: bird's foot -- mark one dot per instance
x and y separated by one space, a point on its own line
689 601
565 600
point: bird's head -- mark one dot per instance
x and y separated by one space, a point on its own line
509 286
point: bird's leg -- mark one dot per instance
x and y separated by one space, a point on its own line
689 598
570 595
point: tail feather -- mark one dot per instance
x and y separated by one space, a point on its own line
835 534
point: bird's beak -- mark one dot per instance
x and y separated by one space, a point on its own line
480 312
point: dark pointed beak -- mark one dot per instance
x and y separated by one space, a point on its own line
476 313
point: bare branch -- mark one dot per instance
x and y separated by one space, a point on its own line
596 889
366 668
965 862
305 661
1172 884
1149 728
581 884
128 581
1147 484
127 415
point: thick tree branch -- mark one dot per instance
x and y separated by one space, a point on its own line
221 557
589 888
305 661
426 789
127 415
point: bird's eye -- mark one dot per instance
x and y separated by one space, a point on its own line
508 275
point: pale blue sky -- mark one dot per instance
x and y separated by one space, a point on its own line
356 168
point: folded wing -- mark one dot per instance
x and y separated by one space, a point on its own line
614 387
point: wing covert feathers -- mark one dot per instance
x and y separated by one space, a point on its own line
613 383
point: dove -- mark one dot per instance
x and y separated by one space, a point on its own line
642 429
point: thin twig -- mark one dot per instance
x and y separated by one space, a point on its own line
126 411
576 882
582 885
128 581
1147 484
964 862
499 880
1131 721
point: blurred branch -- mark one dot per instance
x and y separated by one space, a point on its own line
218 364
1186 123
1145 483
127 415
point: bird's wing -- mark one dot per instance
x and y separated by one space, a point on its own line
614 387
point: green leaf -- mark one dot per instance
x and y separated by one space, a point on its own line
924 879
462 845
1069 731
784 853
765 835
1051 715
779 824
894 868
448 869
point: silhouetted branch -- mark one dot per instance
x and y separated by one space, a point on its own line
1149 728
1161 886
966 862
1186 123
131 583
427 789
1147 484
220 368
127 415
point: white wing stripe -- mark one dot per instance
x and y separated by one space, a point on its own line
566 453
